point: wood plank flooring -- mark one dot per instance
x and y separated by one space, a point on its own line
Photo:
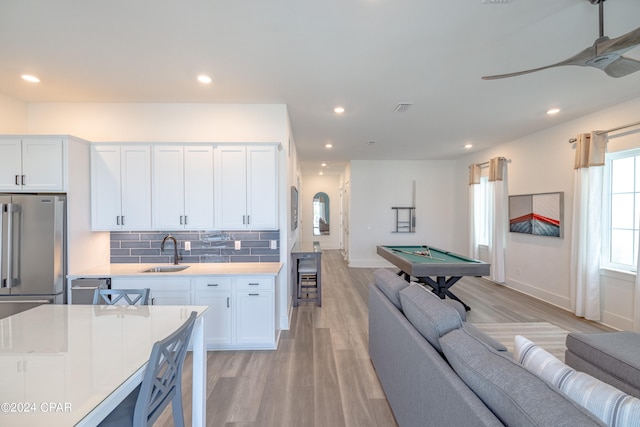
321 374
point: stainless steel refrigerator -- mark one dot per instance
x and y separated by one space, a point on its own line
32 251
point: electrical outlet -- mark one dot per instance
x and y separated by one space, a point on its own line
273 244
187 246
237 246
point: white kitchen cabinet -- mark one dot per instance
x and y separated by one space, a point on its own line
182 187
120 187
245 187
27 370
241 308
255 321
164 290
32 163
216 292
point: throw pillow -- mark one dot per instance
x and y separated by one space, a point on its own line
612 406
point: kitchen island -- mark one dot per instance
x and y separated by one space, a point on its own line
241 296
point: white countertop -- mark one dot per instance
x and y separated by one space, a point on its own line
199 269
58 362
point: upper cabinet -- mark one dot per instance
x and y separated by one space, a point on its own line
245 187
120 187
32 163
182 187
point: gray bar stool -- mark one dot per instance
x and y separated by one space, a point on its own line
308 284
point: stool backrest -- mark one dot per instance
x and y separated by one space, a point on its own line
130 296
162 380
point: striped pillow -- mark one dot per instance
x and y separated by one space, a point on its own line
610 405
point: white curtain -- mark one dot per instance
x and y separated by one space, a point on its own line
474 197
636 317
586 236
498 217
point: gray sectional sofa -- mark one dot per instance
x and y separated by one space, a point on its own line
437 370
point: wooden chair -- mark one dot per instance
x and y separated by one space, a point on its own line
161 384
130 296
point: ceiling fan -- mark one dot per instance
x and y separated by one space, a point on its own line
605 54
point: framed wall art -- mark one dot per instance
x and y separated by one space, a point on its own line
538 214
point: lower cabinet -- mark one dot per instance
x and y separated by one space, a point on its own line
241 314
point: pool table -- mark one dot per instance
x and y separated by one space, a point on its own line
434 267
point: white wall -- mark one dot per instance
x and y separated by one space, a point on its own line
539 163
330 185
377 186
13 115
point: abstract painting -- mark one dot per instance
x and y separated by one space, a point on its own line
538 214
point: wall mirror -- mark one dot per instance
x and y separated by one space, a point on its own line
320 214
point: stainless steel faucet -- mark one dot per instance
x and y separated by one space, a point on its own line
176 257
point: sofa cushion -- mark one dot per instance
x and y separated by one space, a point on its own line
484 337
390 284
615 353
606 402
458 306
428 314
514 395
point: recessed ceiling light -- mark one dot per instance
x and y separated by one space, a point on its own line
553 111
328 145
320 173
467 146
323 164
204 79
338 110
30 78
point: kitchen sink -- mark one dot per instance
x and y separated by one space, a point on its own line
165 269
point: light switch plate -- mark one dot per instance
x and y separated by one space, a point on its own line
273 244
187 246
237 247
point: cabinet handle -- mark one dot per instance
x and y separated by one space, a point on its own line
180 219
248 219
243 219
118 220
185 220
227 302
153 301
254 295
23 180
212 284
254 284
122 220
17 179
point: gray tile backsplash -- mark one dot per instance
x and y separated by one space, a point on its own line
206 246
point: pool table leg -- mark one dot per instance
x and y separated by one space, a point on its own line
441 287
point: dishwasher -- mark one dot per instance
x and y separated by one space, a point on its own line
82 290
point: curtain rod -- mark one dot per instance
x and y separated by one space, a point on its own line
630 125
483 164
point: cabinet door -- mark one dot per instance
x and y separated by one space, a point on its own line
169 297
198 187
217 321
42 164
105 187
168 187
255 322
136 187
230 188
262 188
10 164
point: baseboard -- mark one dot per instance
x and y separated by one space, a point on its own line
541 294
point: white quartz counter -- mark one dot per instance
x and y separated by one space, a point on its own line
200 269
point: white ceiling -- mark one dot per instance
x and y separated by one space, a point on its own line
366 55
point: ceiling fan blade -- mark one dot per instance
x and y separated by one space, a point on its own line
622 67
579 59
619 44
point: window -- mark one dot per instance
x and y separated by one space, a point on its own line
621 210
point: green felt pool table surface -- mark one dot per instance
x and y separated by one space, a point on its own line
441 263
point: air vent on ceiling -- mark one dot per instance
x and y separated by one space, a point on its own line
495 1
402 107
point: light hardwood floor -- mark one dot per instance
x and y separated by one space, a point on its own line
321 374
